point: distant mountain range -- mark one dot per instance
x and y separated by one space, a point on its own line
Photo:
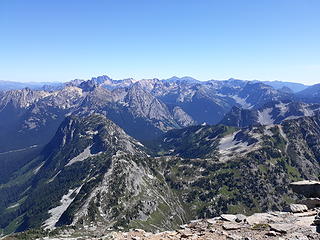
144 109
294 87
152 154
11 85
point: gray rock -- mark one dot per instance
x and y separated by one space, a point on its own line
282 228
231 226
271 217
228 217
186 234
240 218
211 220
298 236
317 219
297 208
307 188
311 203
234 237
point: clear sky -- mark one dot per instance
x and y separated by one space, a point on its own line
60 40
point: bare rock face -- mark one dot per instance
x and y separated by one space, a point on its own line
307 188
182 117
282 227
297 208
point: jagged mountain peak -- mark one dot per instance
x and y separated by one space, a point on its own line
95 130
97 98
144 104
101 79
21 98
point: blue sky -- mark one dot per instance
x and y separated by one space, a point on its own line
60 40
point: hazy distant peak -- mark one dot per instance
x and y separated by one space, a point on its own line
182 79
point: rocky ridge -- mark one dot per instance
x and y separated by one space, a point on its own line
271 225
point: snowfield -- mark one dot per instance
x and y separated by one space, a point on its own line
56 212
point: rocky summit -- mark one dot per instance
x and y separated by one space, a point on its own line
298 222
271 225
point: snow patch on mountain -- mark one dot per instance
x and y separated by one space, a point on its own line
228 142
35 171
230 146
13 205
56 212
82 156
54 177
293 117
265 117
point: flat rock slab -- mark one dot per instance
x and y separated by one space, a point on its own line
309 189
231 226
297 208
282 228
272 217
228 217
212 220
306 214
